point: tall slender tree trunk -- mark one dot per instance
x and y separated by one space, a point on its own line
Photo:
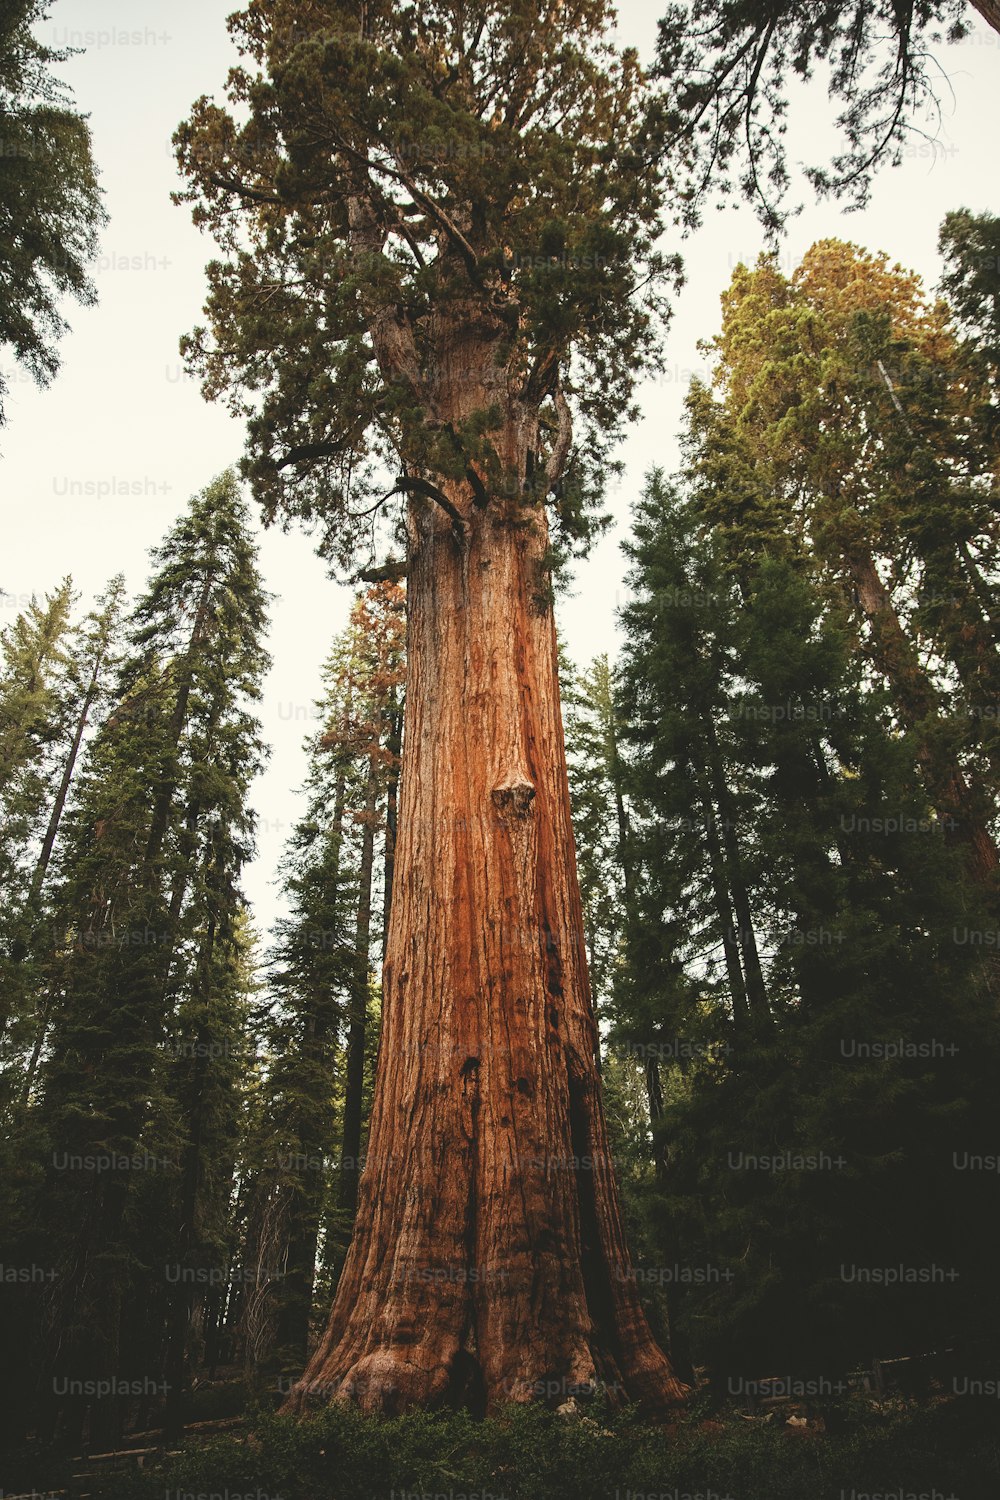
298 1203
354 1080
59 805
394 745
760 1011
26 938
947 787
724 911
181 1296
488 1259
24 944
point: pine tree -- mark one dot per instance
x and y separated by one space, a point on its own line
30 710
848 417
970 246
686 620
377 665
208 1055
34 711
600 818
90 655
313 1094
148 901
859 903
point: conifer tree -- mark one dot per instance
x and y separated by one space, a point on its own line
377 662
48 186
437 233
156 836
34 711
727 73
600 819
859 906
34 658
970 246
685 619
313 1093
90 655
847 415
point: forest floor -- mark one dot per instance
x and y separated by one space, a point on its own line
937 1449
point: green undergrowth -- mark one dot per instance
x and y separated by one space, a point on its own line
949 1451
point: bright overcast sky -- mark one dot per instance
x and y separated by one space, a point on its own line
94 469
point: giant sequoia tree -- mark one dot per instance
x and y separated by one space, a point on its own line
436 240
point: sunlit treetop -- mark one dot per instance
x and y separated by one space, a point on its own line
802 349
436 222
843 389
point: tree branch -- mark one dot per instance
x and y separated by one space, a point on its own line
426 204
230 185
391 333
564 437
540 379
412 484
388 572
308 450
480 494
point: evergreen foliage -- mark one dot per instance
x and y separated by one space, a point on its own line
727 73
51 207
386 183
791 836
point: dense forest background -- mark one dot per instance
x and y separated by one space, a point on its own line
785 808
784 776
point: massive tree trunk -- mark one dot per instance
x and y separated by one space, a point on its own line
488 1262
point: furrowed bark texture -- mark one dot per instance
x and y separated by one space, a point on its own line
488 1262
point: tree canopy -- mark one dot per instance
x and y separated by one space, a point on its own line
51 207
395 190
727 71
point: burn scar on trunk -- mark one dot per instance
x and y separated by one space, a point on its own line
513 797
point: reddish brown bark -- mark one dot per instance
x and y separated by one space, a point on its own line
488 1262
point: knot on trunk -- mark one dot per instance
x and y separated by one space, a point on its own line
514 797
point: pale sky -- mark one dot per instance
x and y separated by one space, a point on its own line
96 468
